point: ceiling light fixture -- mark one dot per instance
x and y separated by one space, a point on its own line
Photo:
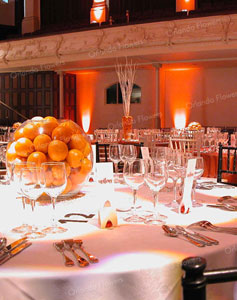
99 11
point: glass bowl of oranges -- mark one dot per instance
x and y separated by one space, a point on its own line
48 139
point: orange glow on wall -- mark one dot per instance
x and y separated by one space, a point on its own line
86 83
182 5
180 119
179 88
99 11
86 121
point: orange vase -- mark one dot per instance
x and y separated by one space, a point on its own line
127 122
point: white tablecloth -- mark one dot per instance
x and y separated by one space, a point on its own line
136 261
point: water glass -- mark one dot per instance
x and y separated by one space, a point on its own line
133 174
156 177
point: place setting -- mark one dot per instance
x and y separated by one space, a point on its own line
74 247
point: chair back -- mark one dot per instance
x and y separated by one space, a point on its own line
102 152
184 145
196 279
227 165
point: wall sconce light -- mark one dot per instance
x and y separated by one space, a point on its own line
99 11
185 5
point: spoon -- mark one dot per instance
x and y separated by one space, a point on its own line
92 258
224 205
174 233
3 242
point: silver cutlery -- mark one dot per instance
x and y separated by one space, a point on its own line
78 214
92 258
174 233
3 242
69 245
62 221
209 226
204 237
13 245
224 205
14 252
182 231
59 246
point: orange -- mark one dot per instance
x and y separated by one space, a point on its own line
48 178
62 134
77 142
68 168
70 124
37 118
37 157
57 172
57 150
48 125
87 150
11 154
68 187
86 166
74 158
24 147
77 178
51 119
30 131
41 143
19 133
58 181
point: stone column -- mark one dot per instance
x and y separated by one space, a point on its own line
157 98
61 94
31 21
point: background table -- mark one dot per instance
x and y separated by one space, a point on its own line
136 261
211 167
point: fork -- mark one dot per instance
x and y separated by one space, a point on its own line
69 245
60 248
92 258
210 226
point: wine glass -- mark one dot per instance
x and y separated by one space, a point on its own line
133 174
54 181
176 170
159 153
199 170
128 153
30 184
114 155
156 177
15 181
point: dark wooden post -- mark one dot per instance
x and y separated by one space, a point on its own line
193 281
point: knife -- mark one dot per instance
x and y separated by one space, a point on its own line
14 252
203 237
65 221
12 246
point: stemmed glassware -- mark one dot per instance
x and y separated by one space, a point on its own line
156 178
199 170
30 183
176 170
15 180
133 174
128 153
54 181
114 155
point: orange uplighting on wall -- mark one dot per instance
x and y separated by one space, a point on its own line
180 88
86 121
185 5
99 11
86 83
180 119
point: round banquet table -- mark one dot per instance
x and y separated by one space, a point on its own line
136 261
